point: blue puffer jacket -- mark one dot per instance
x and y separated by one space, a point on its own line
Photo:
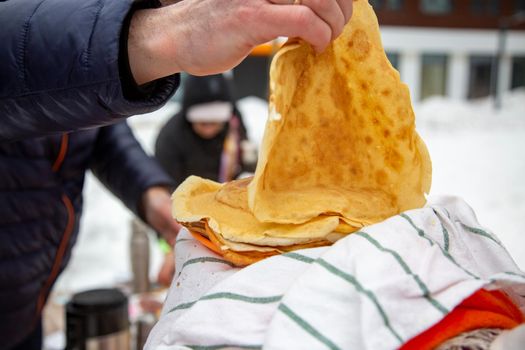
62 75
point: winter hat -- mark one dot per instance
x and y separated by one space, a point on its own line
207 99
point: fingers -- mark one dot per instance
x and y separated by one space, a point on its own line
315 21
330 12
158 211
293 21
347 8
167 270
170 229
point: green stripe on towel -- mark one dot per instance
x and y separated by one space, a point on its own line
299 257
513 274
206 259
352 280
480 232
445 253
446 239
183 306
308 327
247 299
406 268
230 296
419 231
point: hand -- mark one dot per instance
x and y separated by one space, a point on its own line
210 36
156 202
167 270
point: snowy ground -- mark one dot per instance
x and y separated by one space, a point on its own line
477 153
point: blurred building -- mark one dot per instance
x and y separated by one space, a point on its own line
453 47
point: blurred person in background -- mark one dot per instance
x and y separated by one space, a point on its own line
65 90
207 137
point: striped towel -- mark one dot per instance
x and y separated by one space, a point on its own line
374 289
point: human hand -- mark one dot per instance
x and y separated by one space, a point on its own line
210 36
167 270
156 202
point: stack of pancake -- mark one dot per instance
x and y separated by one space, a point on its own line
340 151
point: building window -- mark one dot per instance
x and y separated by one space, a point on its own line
484 7
433 75
436 7
518 72
393 5
519 5
482 72
393 57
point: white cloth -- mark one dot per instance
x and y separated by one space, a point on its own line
375 289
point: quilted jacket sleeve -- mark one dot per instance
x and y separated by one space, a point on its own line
121 165
59 67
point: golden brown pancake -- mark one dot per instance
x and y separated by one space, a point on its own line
198 200
341 135
340 151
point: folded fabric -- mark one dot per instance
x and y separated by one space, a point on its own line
375 289
483 309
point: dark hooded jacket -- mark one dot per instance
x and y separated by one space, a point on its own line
63 71
182 152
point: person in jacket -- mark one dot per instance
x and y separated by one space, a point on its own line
204 138
68 68
41 182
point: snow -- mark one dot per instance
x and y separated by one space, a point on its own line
478 153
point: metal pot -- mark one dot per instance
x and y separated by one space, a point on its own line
97 320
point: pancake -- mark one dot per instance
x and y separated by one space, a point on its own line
340 136
340 151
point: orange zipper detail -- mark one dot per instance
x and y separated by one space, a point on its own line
59 255
61 153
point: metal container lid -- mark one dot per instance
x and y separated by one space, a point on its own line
96 313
